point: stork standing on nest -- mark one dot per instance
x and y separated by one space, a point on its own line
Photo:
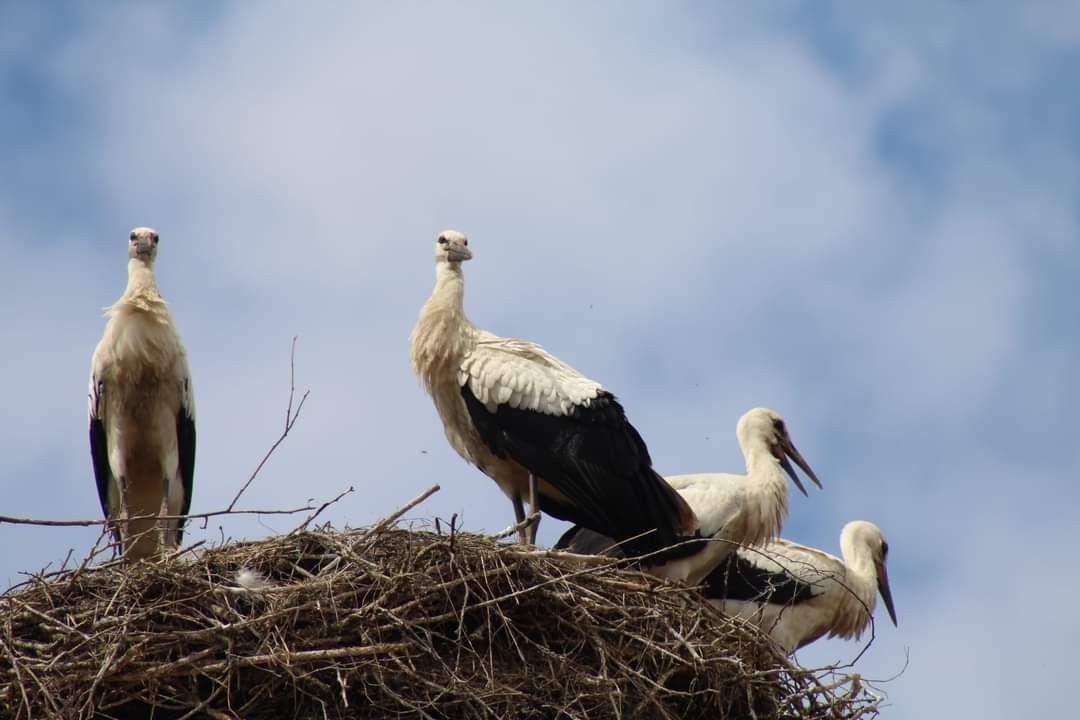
142 412
536 426
732 509
797 593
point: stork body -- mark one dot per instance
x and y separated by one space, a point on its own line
142 412
731 509
798 594
537 426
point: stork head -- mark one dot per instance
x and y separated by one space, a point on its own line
867 537
452 247
762 426
142 244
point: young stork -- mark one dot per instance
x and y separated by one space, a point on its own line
142 411
798 594
537 426
731 509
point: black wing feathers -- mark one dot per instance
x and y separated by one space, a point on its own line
596 458
738 578
584 541
185 446
99 454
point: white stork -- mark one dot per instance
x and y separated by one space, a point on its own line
537 426
797 594
142 411
732 509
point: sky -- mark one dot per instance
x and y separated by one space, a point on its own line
866 219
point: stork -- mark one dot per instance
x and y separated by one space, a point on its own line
732 509
537 426
797 593
142 412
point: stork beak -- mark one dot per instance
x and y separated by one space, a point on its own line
458 253
789 451
145 245
886 593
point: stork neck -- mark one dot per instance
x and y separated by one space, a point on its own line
862 572
767 490
449 292
443 335
762 465
141 281
858 556
445 309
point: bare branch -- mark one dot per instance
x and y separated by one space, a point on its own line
530 519
328 503
5 519
393 517
290 420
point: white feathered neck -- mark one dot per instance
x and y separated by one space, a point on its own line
141 294
860 577
443 334
767 496
140 335
764 502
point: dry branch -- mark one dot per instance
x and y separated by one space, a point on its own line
7 519
290 420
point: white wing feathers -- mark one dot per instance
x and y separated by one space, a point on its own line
506 371
809 565
716 499
724 483
92 396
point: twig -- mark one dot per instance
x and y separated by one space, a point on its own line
393 517
194 665
530 519
378 527
328 503
86 523
290 420
596 561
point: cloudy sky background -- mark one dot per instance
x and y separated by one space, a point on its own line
866 220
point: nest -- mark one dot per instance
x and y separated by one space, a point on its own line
388 622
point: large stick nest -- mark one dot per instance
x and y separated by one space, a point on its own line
391 623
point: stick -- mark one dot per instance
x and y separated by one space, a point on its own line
532 517
86 523
290 420
328 503
393 518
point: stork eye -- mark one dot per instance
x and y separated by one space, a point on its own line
465 241
133 237
155 239
442 240
884 548
779 425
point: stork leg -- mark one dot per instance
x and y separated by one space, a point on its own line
519 518
534 511
121 526
165 537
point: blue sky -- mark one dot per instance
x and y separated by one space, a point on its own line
867 220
